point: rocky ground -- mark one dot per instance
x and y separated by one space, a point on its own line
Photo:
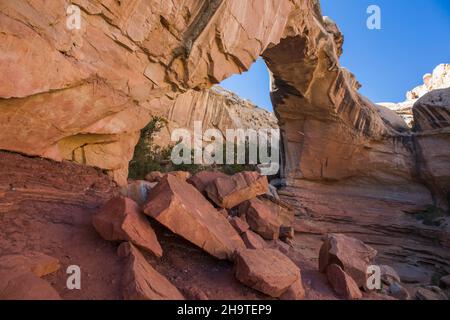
47 208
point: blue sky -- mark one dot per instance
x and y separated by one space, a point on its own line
414 38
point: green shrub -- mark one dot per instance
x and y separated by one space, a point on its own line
432 216
150 157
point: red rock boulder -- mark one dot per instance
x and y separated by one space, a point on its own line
154 176
182 208
266 270
120 219
239 224
342 283
351 254
261 218
202 179
253 240
228 192
140 281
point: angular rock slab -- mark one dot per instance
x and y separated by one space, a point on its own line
120 219
351 254
253 240
202 179
230 191
140 281
295 292
342 283
182 208
266 270
261 218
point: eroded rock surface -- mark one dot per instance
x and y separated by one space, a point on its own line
182 208
140 281
352 255
120 219
127 62
228 192
266 270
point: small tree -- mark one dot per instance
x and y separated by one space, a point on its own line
148 156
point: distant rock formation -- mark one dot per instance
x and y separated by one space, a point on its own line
439 79
432 137
215 108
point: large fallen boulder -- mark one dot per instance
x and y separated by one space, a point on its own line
352 255
342 283
284 212
140 281
202 179
261 218
120 219
267 270
228 192
182 208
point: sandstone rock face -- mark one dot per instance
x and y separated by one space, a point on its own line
438 79
370 156
431 112
266 270
121 220
140 281
228 192
214 108
342 283
430 293
352 255
432 142
127 61
180 207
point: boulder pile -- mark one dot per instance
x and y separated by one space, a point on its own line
229 217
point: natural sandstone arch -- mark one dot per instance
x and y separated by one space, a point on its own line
83 95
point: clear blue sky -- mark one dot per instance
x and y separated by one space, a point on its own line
415 37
